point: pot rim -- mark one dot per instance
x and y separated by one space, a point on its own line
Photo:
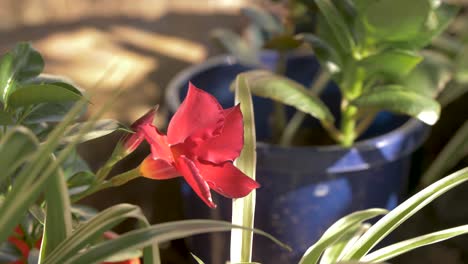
173 101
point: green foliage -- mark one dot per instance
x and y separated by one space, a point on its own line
347 242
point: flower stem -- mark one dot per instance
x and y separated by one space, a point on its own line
115 181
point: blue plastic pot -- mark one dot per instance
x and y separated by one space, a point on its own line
304 189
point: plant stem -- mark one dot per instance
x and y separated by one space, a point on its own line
352 86
365 122
115 181
295 122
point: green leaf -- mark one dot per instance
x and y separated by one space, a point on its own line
236 46
263 19
82 178
394 20
328 57
401 213
335 252
391 62
88 232
154 234
18 65
397 249
337 24
197 259
397 99
337 231
455 150
430 77
243 209
41 93
31 180
100 128
442 17
269 85
15 147
58 221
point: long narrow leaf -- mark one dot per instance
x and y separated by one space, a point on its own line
397 216
453 152
334 252
88 232
58 221
336 231
243 209
397 249
155 234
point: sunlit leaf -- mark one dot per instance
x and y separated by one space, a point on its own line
269 85
21 63
397 249
337 231
401 213
42 93
397 99
391 62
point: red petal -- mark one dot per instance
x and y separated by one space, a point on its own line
132 141
199 116
157 169
227 146
195 180
227 180
158 142
20 245
146 119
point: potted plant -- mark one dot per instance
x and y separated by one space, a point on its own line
368 48
43 178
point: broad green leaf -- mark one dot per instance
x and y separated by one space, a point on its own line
269 85
394 20
337 24
430 77
397 249
41 93
455 150
236 46
334 252
243 209
391 62
22 63
397 99
401 213
58 221
337 231
154 234
263 19
439 20
325 53
100 128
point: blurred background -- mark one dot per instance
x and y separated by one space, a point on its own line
138 46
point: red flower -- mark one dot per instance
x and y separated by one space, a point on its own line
202 141
132 141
